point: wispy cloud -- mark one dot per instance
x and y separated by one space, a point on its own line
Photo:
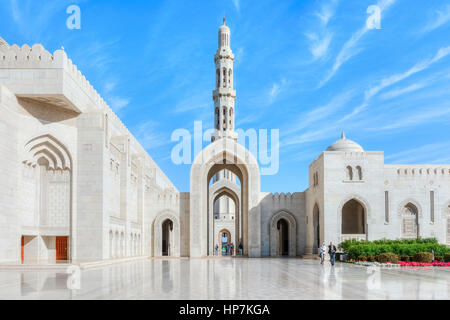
319 44
277 87
440 18
350 48
320 39
237 5
116 102
401 91
419 117
429 153
15 11
321 112
389 81
194 103
149 135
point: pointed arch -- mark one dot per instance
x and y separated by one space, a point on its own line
162 217
224 154
366 216
274 234
410 211
316 228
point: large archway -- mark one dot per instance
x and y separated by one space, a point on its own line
224 154
225 188
354 219
283 234
166 235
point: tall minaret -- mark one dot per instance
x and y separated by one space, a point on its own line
224 96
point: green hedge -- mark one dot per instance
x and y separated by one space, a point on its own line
402 248
350 243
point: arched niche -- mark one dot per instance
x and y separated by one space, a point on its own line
162 218
274 233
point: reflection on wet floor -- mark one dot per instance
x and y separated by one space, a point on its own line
258 279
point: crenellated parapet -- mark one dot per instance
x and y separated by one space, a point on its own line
421 171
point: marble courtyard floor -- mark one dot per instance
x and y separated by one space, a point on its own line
255 279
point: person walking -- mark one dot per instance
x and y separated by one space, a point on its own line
323 252
217 249
332 251
232 249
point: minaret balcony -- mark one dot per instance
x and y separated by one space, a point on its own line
223 53
224 92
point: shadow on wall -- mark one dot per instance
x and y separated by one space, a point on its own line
47 110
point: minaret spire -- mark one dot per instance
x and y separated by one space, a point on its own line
224 95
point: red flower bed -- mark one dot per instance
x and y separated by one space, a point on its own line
421 264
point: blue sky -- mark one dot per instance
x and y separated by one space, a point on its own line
308 68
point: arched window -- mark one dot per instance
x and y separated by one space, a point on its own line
229 77
349 173
360 174
225 113
224 77
283 244
217 78
410 215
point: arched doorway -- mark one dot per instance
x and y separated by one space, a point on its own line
354 219
283 234
410 221
316 228
224 154
224 240
167 228
166 235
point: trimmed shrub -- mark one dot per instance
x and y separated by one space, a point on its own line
362 258
447 257
371 258
405 258
439 258
425 257
387 257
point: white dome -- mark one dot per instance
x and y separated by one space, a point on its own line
345 145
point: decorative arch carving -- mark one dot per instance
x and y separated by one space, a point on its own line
48 147
412 201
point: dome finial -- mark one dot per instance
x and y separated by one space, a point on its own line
343 135
223 20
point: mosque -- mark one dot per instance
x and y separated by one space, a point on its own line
76 185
